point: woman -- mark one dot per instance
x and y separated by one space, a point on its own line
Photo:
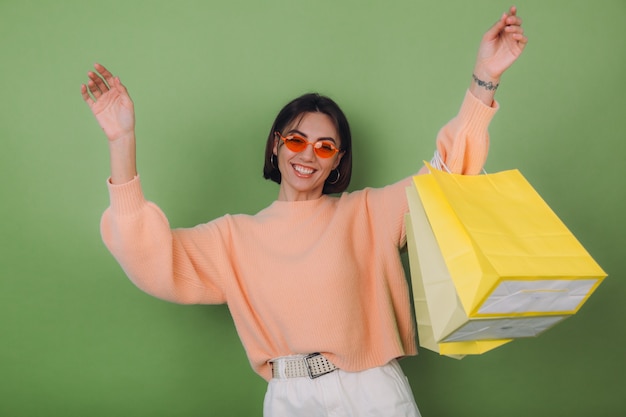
314 283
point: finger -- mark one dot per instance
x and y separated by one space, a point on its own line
521 39
94 89
118 84
497 27
513 21
88 99
97 80
115 82
518 42
514 29
106 74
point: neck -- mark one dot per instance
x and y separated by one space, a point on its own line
293 195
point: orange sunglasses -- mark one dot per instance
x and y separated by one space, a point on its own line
322 148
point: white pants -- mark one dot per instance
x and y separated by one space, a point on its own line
380 392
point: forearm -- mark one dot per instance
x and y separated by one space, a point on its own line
123 159
463 143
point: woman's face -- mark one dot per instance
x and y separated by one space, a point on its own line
303 173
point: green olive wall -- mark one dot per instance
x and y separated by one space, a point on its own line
207 77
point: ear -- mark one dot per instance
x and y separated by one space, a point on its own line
338 160
275 149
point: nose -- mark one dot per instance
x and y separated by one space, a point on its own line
308 153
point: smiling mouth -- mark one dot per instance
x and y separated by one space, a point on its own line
303 170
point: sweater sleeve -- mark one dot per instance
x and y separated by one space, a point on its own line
463 144
162 262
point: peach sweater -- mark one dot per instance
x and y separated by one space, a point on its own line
299 277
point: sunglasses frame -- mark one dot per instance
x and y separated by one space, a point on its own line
316 145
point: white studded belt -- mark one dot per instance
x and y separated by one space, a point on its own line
311 366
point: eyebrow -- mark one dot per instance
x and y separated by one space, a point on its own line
296 131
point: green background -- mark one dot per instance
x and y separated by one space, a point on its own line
207 78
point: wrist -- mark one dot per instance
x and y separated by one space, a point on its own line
484 78
122 137
486 71
484 87
486 83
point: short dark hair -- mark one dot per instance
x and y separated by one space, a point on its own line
312 103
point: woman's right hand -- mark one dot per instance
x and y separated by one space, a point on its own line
109 101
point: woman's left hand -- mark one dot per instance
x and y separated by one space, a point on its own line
500 47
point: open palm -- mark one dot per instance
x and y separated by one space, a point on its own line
110 103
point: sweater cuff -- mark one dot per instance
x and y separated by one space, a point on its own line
126 198
477 114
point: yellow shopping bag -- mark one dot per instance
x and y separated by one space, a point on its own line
500 265
443 304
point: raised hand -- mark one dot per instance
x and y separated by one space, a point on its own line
110 103
500 47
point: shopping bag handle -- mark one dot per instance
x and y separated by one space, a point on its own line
437 162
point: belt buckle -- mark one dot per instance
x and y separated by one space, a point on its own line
308 366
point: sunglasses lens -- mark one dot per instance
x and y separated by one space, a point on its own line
295 144
325 149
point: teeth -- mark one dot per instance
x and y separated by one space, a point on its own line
303 170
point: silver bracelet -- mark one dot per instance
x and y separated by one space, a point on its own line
486 85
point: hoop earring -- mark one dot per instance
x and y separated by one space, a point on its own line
274 161
336 179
